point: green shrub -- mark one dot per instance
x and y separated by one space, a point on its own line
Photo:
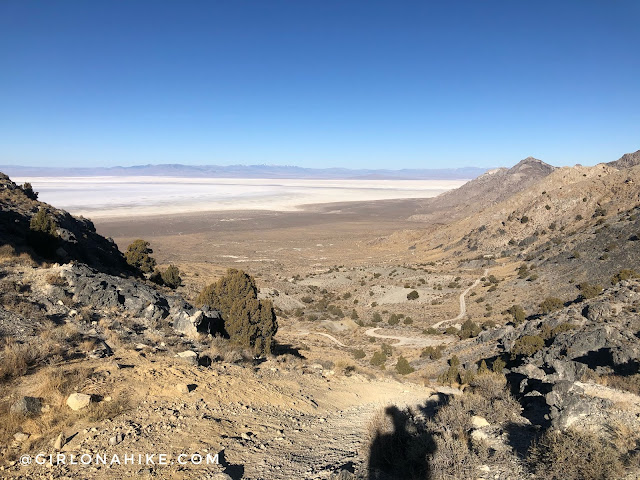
432 353
589 290
517 313
386 349
413 295
28 191
449 376
43 222
451 331
43 233
624 274
138 256
563 327
403 367
359 354
498 365
393 319
524 219
377 318
469 329
378 359
408 321
551 304
354 315
171 277
248 321
483 369
527 345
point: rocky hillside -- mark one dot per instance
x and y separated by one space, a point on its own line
70 238
628 160
492 187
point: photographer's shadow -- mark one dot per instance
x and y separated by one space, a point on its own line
403 453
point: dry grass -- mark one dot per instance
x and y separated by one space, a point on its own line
575 455
56 279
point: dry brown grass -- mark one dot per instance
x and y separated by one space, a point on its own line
575 455
16 358
56 279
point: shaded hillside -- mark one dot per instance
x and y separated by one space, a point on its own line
628 160
490 188
70 238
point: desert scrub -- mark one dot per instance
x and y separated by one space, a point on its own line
574 455
171 277
413 295
624 274
359 354
469 329
56 279
432 353
138 256
378 359
517 314
249 322
589 290
403 367
527 345
551 304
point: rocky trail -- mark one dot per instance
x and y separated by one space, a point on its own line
259 420
417 342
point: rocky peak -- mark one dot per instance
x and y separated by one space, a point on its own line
628 160
532 163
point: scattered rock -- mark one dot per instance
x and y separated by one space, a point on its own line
60 441
189 356
479 435
78 401
27 406
479 422
21 437
182 388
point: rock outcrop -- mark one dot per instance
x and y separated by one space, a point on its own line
598 337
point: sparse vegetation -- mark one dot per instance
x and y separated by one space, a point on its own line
171 277
517 314
589 290
527 345
575 455
551 304
413 295
248 321
138 256
403 367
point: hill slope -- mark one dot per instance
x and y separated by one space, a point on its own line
490 188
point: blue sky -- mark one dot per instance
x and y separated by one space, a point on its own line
358 84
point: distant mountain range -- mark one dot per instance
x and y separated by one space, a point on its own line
246 171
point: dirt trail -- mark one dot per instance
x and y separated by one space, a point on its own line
417 342
331 337
276 421
463 303
426 342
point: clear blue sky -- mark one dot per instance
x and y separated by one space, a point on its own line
380 84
